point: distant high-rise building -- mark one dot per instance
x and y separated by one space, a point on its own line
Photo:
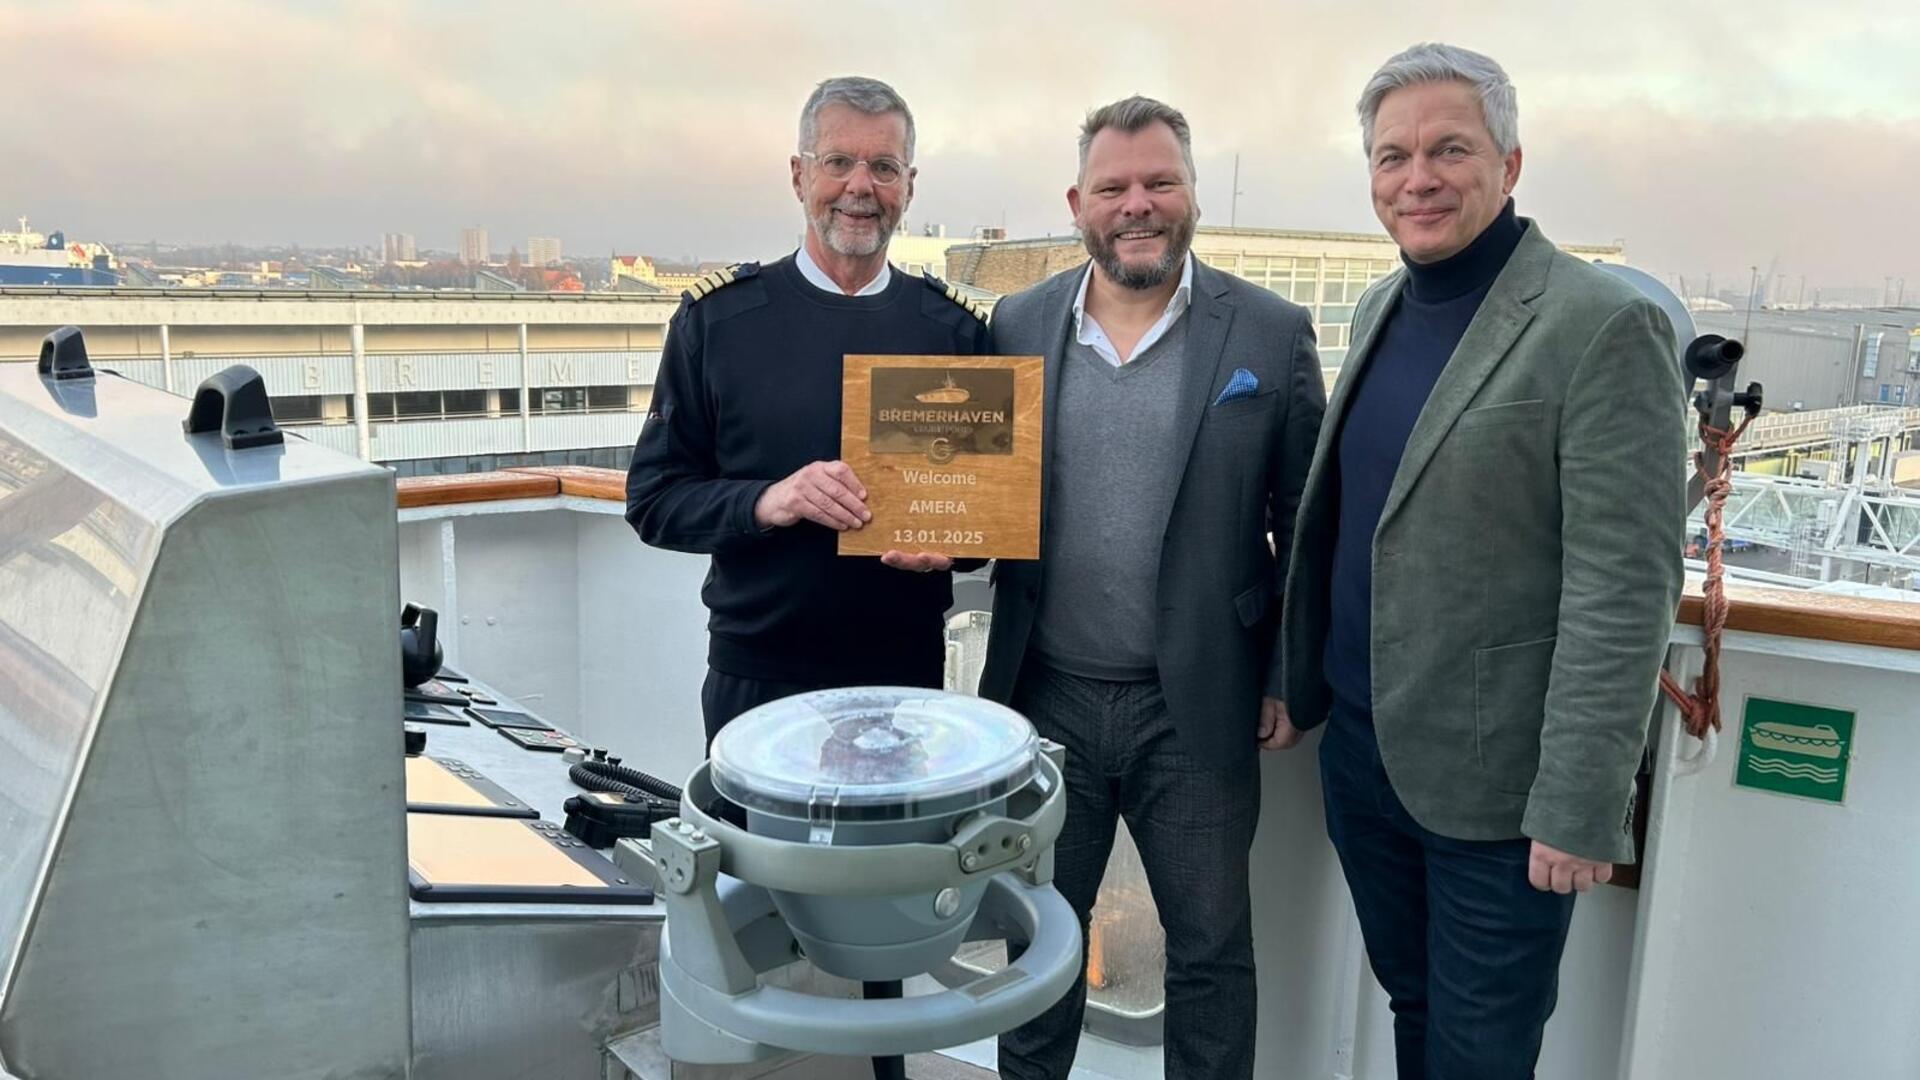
543 251
474 250
398 247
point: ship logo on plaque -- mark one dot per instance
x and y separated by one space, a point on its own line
946 394
965 412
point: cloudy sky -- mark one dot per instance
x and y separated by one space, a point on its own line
1709 135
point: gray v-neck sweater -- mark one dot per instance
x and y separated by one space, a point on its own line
1114 451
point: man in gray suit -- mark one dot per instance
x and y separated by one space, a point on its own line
1182 406
1484 576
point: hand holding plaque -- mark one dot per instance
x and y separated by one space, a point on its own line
925 562
948 448
823 492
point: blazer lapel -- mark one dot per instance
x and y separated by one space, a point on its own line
1359 355
1489 338
1059 332
1366 330
1208 318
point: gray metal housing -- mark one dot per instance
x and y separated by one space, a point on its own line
187 886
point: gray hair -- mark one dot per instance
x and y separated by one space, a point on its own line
1134 114
870 96
1431 62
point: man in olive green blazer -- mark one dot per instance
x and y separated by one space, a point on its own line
1486 563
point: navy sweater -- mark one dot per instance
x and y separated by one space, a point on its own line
749 391
1411 351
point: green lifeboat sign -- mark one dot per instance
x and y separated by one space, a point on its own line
1792 749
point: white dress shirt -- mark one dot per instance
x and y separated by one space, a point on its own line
1087 331
818 278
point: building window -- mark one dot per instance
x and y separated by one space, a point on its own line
1348 278
296 410
468 403
560 399
464 402
1340 291
1290 278
607 398
417 403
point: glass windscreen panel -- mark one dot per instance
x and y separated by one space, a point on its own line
71 563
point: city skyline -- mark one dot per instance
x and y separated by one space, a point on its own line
1709 140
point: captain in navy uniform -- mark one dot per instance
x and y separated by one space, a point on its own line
738 458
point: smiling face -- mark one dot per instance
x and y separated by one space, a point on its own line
1438 178
1134 205
853 215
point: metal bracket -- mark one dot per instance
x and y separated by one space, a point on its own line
986 843
683 864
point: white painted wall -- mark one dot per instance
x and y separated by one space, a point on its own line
643 648
513 622
1781 935
569 613
1300 911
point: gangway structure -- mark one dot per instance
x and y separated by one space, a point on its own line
1774 433
1836 524
1853 516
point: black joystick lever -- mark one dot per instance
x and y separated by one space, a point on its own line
420 652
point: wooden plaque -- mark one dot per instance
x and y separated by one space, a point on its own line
948 448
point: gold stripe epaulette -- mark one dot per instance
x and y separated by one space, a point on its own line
718 279
973 309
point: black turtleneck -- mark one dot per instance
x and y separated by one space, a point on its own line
1411 350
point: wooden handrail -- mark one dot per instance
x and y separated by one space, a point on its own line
1855 620
584 481
415 491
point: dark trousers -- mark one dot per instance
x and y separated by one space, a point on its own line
1193 824
1467 949
724 697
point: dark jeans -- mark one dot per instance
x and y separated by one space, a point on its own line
1193 825
1466 948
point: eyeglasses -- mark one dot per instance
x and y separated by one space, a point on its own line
884 171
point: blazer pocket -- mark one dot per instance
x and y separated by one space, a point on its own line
1251 604
1510 701
1506 412
1259 401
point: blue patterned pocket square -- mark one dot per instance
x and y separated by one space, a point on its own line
1243 384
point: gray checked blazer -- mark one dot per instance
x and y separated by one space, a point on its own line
1246 459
